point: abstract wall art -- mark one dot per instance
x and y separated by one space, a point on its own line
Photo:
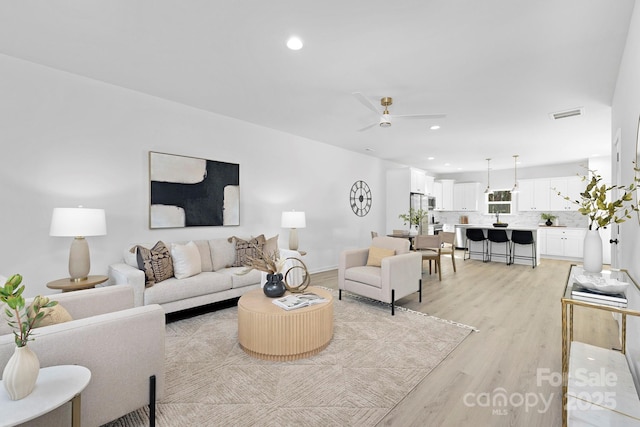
192 192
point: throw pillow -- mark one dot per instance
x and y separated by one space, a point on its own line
186 260
271 246
376 255
54 315
155 262
247 249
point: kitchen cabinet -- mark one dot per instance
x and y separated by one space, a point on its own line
563 242
534 195
465 196
570 186
428 185
418 181
443 191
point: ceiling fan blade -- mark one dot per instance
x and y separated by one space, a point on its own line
369 126
419 116
366 102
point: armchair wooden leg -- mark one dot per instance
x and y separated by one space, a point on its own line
453 260
152 401
420 290
393 300
339 294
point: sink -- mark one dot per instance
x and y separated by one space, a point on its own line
500 224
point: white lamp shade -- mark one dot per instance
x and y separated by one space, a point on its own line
293 219
74 222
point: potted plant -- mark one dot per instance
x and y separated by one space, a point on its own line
20 375
601 212
549 218
414 217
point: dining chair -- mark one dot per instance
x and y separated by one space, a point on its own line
448 246
429 246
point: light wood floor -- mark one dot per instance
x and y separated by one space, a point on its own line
517 311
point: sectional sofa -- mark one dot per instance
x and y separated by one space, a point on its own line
218 275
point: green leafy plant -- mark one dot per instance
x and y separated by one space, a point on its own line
593 201
548 216
414 217
22 319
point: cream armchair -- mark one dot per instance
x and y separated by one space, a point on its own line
123 346
397 276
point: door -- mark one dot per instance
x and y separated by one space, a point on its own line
616 249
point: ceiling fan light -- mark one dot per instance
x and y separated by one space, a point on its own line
385 122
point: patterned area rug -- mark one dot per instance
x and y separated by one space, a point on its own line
373 361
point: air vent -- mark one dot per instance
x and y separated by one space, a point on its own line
567 113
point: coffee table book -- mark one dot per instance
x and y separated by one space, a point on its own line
583 294
291 302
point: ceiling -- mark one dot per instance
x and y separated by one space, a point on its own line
497 68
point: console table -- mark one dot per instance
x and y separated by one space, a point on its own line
597 386
56 385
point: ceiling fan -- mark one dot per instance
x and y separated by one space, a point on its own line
386 117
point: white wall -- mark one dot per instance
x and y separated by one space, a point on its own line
67 140
626 109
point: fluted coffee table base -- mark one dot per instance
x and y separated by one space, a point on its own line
269 332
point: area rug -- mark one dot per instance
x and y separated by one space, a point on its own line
373 361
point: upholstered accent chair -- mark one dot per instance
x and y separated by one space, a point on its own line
386 271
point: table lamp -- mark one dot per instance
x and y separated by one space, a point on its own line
78 223
293 220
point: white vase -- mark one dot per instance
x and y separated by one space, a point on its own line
592 256
20 375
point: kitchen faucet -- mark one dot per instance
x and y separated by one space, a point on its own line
497 218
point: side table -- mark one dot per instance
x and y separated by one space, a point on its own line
56 386
68 285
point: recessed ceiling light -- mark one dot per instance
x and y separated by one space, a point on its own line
435 127
447 164
294 43
430 158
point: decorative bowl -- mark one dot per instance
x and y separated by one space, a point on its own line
500 224
601 284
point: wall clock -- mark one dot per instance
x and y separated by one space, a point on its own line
360 198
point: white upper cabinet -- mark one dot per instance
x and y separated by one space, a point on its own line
428 185
465 196
443 191
570 186
534 194
418 181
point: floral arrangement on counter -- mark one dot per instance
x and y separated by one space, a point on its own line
22 320
414 217
593 201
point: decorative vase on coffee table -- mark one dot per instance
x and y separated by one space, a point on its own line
592 256
274 287
20 375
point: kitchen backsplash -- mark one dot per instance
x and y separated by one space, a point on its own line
567 219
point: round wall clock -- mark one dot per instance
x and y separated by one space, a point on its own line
360 198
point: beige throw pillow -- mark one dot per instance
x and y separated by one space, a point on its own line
376 255
54 315
271 246
186 260
155 262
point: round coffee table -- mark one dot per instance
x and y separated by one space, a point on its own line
269 332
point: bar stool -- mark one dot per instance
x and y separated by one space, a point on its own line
522 237
476 235
499 236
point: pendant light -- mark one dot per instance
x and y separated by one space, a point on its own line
488 190
515 188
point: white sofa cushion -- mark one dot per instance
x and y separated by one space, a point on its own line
365 274
174 290
223 253
241 280
186 260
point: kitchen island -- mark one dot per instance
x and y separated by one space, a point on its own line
498 249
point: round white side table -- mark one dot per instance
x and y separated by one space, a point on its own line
56 386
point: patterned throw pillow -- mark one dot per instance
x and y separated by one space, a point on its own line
247 249
155 262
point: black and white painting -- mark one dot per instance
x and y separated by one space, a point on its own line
193 192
